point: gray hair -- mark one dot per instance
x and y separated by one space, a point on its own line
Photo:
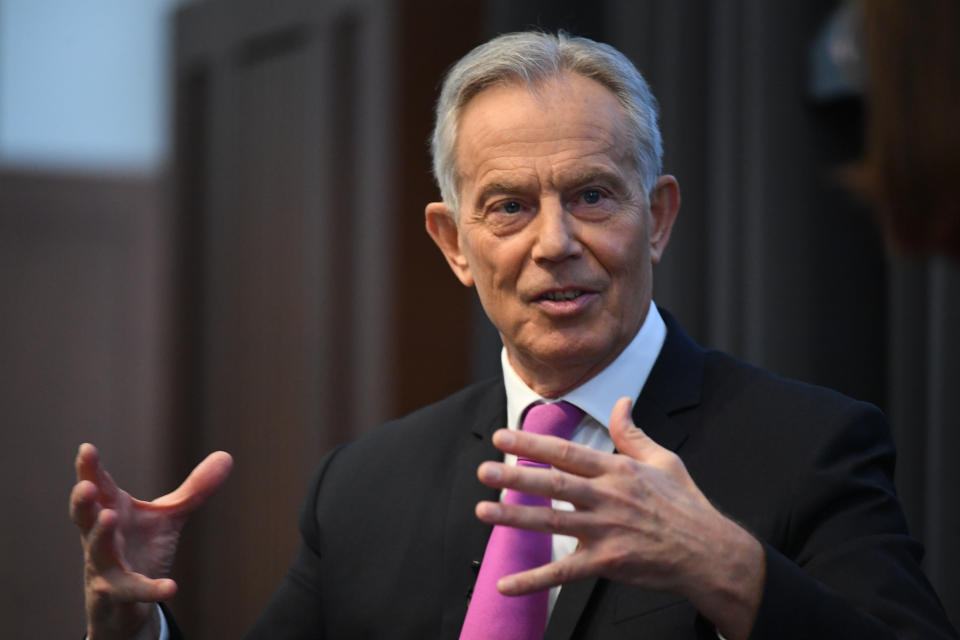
532 57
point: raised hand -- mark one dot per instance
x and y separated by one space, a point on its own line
640 519
129 544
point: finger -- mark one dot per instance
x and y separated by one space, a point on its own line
86 461
548 483
83 505
89 468
627 437
557 452
542 519
129 586
101 543
553 574
203 481
110 575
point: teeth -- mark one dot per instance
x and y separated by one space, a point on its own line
559 296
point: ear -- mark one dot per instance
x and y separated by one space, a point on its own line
664 205
442 227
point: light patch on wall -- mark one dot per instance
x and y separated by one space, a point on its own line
83 85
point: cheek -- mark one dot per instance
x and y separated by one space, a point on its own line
498 264
627 266
621 260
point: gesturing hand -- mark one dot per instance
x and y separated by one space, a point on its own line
129 544
639 518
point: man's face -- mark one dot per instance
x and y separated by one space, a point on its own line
554 229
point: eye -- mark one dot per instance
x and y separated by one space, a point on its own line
591 196
509 207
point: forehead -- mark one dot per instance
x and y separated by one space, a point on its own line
565 121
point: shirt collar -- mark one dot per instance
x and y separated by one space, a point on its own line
625 376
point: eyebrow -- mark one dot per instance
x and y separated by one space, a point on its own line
572 180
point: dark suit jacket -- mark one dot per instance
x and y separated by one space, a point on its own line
391 544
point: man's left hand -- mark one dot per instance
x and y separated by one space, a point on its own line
639 519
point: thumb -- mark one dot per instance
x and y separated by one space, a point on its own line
202 482
627 437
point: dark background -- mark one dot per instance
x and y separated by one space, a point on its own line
273 293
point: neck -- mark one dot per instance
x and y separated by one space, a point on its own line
555 380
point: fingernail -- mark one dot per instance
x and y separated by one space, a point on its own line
489 510
506 438
490 472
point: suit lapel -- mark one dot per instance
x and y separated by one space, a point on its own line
465 537
674 384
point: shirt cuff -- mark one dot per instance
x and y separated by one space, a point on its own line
164 629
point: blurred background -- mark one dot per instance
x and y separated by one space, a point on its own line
211 237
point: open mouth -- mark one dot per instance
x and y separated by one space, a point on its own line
562 296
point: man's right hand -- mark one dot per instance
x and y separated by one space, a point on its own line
129 545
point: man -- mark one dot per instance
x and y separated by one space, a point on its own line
747 506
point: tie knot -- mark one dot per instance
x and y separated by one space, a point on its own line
555 419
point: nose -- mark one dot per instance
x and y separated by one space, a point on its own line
555 234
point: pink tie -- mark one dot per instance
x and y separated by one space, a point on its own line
510 550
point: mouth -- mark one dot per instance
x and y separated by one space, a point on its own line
564 295
565 303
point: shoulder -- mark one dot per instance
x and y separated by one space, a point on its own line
475 397
742 383
792 433
741 397
803 467
445 420
786 410
428 433
402 460
439 424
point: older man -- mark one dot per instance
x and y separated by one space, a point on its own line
747 506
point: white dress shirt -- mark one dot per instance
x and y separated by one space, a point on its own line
625 376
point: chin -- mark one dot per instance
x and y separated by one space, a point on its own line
572 352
